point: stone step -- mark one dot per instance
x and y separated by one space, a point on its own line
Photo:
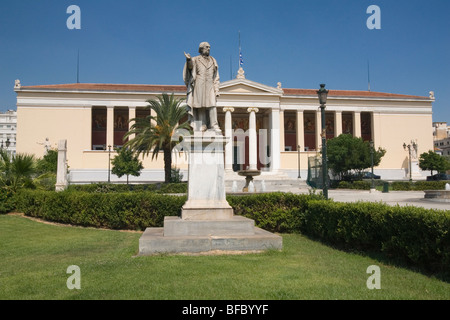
153 241
237 226
268 185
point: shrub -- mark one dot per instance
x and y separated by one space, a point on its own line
275 212
135 211
108 187
418 185
358 185
415 235
7 200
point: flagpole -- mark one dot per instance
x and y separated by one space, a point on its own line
239 49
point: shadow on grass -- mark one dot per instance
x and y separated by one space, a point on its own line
385 258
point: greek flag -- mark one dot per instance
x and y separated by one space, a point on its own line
241 60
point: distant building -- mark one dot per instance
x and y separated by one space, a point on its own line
442 146
441 138
8 130
440 131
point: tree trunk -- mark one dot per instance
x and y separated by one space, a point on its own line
167 164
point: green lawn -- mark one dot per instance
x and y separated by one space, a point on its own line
34 258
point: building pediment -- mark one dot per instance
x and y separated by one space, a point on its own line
244 86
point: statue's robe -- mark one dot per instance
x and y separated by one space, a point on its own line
201 77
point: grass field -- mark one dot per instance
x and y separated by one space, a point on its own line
34 258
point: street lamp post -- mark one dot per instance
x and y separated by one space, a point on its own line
299 163
371 161
109 164
409 147
323 94
7 143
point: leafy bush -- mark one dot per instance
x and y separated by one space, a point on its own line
415 235
275 212
7 200
358 185
135 211
418 185
108 188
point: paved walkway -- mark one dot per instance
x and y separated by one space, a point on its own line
402 198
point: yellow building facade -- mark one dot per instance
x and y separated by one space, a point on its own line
92 117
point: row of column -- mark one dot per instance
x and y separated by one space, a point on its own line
274 138
337 126
110 123
276 134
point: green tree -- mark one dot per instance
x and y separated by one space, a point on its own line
347 154
16 171
153 134
49 163
433 162
126 163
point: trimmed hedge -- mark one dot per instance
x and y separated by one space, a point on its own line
414 235
109 187
394 186
358 185
7 201
275 212
133 211
418 185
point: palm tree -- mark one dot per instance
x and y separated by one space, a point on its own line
154 133
16 171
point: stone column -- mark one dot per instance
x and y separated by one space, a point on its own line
253 142
61 177
337 123
229 136
109 127
300 130
131 115
318 130
275 140
282 139
357 124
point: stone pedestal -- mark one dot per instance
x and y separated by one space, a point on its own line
207 221
61 176
415 170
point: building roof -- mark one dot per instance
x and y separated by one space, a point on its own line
182 88
351 93
109 87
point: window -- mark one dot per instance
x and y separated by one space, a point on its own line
98 128
290 131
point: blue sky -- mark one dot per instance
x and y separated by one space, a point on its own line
300 43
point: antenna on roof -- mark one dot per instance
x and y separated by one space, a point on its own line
368 74
78 66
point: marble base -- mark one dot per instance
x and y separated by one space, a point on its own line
154 242
207 222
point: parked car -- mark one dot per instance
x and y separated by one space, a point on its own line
368 175
439 177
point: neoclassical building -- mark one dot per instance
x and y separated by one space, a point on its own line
92 117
